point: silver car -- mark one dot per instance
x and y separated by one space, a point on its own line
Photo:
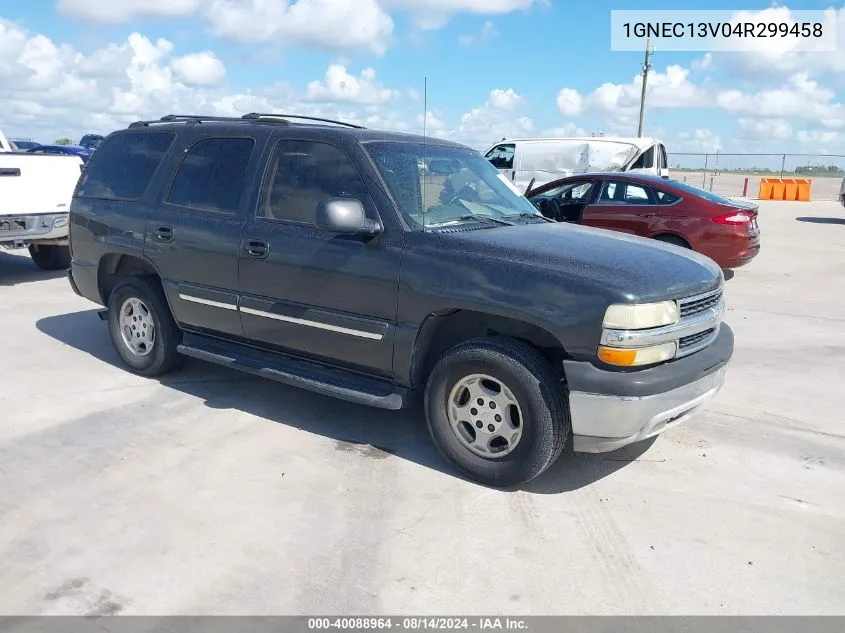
842 193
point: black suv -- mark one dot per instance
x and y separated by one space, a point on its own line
373 266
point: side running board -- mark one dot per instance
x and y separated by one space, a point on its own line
297 373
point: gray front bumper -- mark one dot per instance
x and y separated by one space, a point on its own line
603 423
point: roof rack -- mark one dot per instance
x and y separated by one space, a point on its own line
276 119
197 119
254 116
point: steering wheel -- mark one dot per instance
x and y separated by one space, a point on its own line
468 192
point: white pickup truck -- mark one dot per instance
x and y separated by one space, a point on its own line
35 195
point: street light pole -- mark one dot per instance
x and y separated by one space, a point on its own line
646 68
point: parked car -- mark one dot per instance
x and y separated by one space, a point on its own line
320 255
69 150
842 193
91 141
22 146
35 194
542 160
667 210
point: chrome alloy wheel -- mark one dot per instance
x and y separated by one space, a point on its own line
485 416
137 328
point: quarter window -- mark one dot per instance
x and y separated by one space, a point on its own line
123 166
305 173
212 176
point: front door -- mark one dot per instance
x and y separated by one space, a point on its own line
311 293
193 234
623 206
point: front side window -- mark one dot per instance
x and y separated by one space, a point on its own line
501 156
212 176
570 192
437 185
305 173
646 161
664 162
124 166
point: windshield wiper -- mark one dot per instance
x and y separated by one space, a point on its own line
528 214
478 217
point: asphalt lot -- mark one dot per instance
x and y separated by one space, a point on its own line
209 492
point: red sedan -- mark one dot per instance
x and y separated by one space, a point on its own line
668 210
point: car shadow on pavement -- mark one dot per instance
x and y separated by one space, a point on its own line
367 432
728 273
15 269
817 220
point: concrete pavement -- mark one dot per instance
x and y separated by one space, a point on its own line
210 492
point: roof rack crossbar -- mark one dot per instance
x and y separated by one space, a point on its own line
258 115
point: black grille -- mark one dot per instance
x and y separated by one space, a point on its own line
700 305
693 340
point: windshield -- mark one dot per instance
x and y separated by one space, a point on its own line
701 193
437 186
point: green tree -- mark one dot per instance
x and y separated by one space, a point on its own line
63 141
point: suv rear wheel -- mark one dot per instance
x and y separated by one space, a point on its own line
496 411
142 329
50 256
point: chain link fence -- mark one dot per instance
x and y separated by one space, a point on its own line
739 174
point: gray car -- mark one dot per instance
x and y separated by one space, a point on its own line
842 193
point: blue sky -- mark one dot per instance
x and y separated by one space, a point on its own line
495 68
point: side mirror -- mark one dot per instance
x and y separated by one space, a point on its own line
345 215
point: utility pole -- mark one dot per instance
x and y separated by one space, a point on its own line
646 68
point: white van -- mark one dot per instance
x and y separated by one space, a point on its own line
547 159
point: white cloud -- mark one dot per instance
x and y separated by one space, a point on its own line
564 131
570 102
505 99
53 90
774 56
700 140
801 97
339 86
765 129
199 69
669 89
333 24
118 11
488 32
482 126
704 62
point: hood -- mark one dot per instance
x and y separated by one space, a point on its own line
633 268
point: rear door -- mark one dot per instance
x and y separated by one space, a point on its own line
193 231
623 206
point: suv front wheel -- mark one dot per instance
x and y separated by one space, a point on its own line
142 329
496 411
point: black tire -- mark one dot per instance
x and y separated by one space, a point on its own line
673 239
163 356
50 256
546 424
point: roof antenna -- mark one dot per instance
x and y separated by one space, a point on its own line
425 161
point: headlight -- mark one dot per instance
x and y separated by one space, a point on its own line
636 357
623 316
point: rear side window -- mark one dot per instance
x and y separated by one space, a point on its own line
664 197
124 166
305 173
212 176
646 161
